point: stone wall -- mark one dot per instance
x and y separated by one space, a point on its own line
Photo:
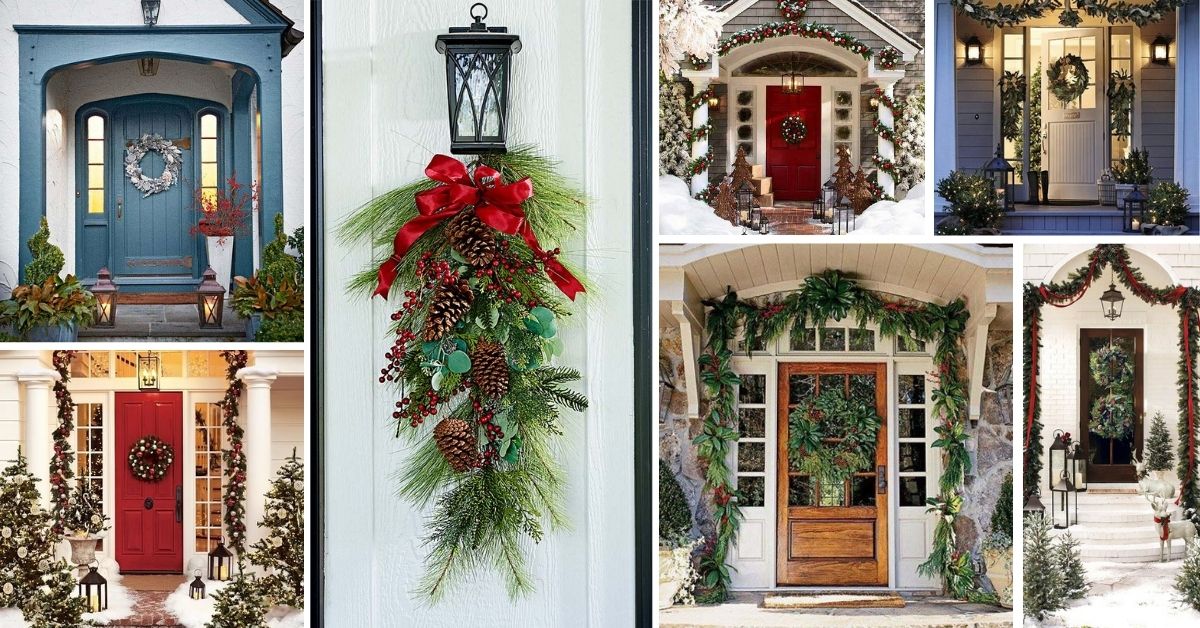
676 431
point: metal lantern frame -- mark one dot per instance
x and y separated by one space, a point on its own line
745 203
1079 468
148 66
844 220
220 563
756 216
1160 50
478 83
197 590
1059 452
149 371
210 301
93 589
150 11
1003 177
105 292
818 204
1134 201
1112 303
1033 505
828 201
1064 499
973 52
792 82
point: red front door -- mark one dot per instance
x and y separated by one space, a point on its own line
795 169
149 525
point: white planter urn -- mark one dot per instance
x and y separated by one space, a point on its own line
667 586
220 258
83 549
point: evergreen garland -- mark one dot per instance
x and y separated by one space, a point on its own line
807 30
234 457
1044 585
674 122
281 550
62 463
1114 11
1159 456
1031 343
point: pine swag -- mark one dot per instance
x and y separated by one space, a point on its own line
234 457
481 396
1012 98
62 463
832 437
793 130
1005 15
150 458
1121 92
1068 78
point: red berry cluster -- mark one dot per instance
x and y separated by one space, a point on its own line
493 432
415 410
770 310
395 356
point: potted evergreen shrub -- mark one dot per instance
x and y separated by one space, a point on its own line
974 208
998 546
1131 172
676 574
272 300
222 217
1168 207
47 308
86 522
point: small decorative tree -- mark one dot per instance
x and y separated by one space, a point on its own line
1070 565
1187 582
84 515
674 123
240 604
1043 586
223 212
1159 456
55 604
742 170
47 261
843 176
725 204
861 197
281 551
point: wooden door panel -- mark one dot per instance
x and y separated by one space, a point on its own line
1109 462
795 169
150 538
833 538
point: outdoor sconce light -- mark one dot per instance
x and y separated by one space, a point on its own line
1112 302
1079 468
196 590
792 82
1004 178
478 71
94 589
1160 50
149 370
714 103
148 66
150 11
1033 505
219 562
974 53
106 299
210 300
1134 206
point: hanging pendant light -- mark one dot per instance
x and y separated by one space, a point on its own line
1112 302
793 82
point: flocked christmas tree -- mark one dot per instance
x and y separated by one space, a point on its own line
1187 581
1070 565
1043 579
27 560
281 550
910 141
1159 456
674 124
239 604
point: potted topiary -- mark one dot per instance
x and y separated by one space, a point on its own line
676 574
223 216
1131 172
86 522
998 545
974 207
1168 207
47 308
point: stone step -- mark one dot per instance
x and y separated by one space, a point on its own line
1103 534
1116 514
1100 500
1130 552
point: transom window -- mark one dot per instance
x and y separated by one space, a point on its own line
95 164
98 364
210 178
209 436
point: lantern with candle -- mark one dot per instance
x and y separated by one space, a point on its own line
210 301
196 590
93 588
219 561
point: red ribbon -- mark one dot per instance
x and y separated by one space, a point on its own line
1033 373
497 204
1164 527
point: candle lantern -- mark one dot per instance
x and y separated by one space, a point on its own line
745 203
210 301
818 204
1033 505
1134 206
478 76
93 589
1079 468
196 590
756 218
1003 177
150 9
793 83
764 227
830 201
149 371
1112 302
1065 501
1060 448
106 299
220 561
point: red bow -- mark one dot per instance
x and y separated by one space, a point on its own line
497 205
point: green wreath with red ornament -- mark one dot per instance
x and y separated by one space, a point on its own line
150 459
793 129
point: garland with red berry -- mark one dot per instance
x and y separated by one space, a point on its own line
150 458
700 99
475 339
699 133
62 463
887 166
701 163
234 457
806 30
793 10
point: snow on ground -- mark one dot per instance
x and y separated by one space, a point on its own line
680 214
906 217
1128 595
286 617
120 599
193 613
12 618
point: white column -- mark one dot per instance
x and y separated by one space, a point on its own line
37 419
700 147
887 149
256 408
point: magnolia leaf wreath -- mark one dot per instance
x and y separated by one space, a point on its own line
1012 98
172 164
831 437
150 458
1121 91
793 129
475 338
1067 78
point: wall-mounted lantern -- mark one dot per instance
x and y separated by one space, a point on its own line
150 10
974 51
1160 50
478 76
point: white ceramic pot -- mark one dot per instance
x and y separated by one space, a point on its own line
220 259
667 588
83 549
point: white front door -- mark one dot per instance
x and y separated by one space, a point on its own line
1075 141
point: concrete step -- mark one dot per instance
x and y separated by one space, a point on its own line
1130 552
1129 488
1102 500
1116 514
1103 534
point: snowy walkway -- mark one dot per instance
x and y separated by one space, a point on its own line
1126 595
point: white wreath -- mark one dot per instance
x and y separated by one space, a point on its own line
172 159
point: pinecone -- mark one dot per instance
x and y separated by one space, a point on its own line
490 369
456 441
450 302
471 237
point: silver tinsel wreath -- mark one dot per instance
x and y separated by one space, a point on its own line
172 159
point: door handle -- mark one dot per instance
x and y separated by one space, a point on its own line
120 207
148 504
881 479
178 503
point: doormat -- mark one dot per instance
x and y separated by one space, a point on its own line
833 600
157 298
166 583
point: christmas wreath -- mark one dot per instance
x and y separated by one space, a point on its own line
1068 78
1112 416
1111 368
172 164
832 437
149 459
793 129
793 10
887 58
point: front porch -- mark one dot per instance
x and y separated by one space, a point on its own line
1059 219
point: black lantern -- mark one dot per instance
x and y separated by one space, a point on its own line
93 589
764 227
1065 500
150 11
1112 302
1134 206
1060 450
220 563
1079 468
974 51
829 204
210 301
1033 505
756 219
844 220
792 82
149 371
818 204
745 203
106 299
478 73
1160 50
196 590
148 66
1003 177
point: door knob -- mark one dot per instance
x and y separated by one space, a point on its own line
149 503
120 207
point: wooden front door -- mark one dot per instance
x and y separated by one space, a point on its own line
149 522
795 169
1109 459
832 535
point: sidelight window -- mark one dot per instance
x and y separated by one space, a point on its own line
912 435
95 164
208 475
752 442
210 178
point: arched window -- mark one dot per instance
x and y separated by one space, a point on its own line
95 164
210 178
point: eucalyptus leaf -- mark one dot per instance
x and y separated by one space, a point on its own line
555 346
549 330
461 344
458 362
533 325
432 350
544 315
514 450
493 316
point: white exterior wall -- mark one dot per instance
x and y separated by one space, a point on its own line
124 12
1059 357
385 94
